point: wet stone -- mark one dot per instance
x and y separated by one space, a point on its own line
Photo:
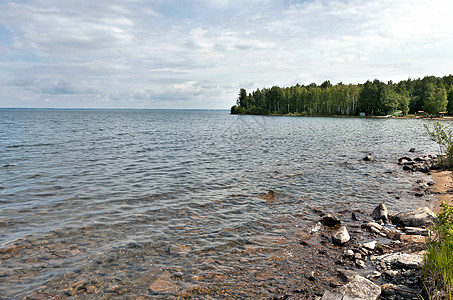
380 213
330 220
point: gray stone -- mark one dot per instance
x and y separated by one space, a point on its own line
419 217
360 287
380 213
370 245
341 236
402 260
328 295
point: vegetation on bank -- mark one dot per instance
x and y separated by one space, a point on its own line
430 94
443 136
438 267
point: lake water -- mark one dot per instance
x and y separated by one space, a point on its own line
167 203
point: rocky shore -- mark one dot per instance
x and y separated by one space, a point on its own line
387 263
376 254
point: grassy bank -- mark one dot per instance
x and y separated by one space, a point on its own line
438 268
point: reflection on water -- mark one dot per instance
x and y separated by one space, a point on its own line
161 203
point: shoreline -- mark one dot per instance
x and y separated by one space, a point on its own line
443 189
436 118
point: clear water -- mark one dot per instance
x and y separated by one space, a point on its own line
102 203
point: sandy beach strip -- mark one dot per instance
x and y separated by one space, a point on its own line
443 188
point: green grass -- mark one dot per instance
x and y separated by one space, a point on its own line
438 267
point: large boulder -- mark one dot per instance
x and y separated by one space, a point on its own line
380 213
420 217
360 287
341 236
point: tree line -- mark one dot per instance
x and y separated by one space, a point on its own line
430 94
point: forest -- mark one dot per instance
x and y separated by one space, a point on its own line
430 95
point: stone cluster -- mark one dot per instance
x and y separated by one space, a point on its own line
370 263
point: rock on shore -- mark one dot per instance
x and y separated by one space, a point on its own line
341 236
420 217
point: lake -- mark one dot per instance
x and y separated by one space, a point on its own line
156 203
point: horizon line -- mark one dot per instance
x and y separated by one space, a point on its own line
105 108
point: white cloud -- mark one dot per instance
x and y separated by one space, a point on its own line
176 54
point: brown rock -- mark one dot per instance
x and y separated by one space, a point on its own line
270 196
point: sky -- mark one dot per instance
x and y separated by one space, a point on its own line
198 54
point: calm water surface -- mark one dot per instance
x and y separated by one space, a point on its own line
166 203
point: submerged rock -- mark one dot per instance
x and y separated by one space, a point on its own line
341 236
179 249
380 213
163 284
419 217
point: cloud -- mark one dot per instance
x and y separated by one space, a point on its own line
198 53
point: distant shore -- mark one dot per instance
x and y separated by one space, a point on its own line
444 118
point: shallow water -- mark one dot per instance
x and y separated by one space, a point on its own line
114 203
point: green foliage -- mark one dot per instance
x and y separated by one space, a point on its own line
373 98
438 267
443 136
435 99
450 99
